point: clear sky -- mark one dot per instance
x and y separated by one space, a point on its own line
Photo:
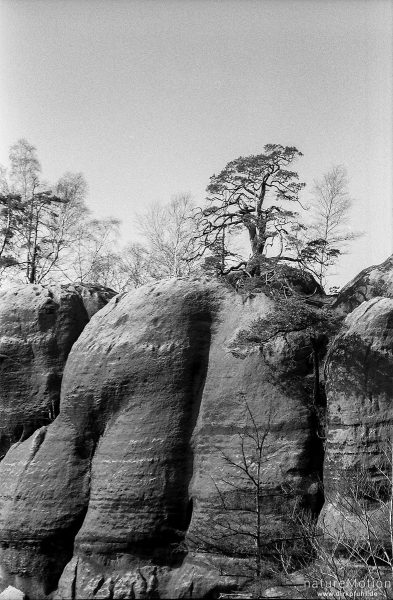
149 98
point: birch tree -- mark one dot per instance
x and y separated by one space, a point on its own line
328 235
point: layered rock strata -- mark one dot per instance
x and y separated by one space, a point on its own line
38 326
153 399
358 461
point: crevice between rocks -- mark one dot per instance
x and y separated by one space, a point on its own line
199 334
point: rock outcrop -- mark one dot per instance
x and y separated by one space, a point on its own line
370 283
130 485
359 387
125 479
38 327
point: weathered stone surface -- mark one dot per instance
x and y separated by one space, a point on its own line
131 389
123 580
94 297
152 394
38 327
370 283
42 504
143 377
247 395
360 395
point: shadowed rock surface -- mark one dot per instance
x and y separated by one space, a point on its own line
38 327
112 499
151 396
359 398
242 387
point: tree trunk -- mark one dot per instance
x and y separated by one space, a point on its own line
33 267
258 239
252 234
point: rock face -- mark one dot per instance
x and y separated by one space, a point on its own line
370 283
359 389
122 487
152 399
94 297
38 327
245 396
360 385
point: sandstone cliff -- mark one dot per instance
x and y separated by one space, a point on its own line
125 490
359 384
38 327
120 484
356 518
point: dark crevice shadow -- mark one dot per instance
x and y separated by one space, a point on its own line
59 549
195 372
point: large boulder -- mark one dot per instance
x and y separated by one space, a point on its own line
153 397
255 404
369 283
359 422
38 326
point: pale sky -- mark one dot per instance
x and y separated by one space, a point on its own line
149 98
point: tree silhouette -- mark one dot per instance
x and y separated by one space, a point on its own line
250 194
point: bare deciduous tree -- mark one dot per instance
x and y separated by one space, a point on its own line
49 236
24 169
38 223
61 226
236 526
321 244
11 216
350 549
94 240
137 267
167 231
124 269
